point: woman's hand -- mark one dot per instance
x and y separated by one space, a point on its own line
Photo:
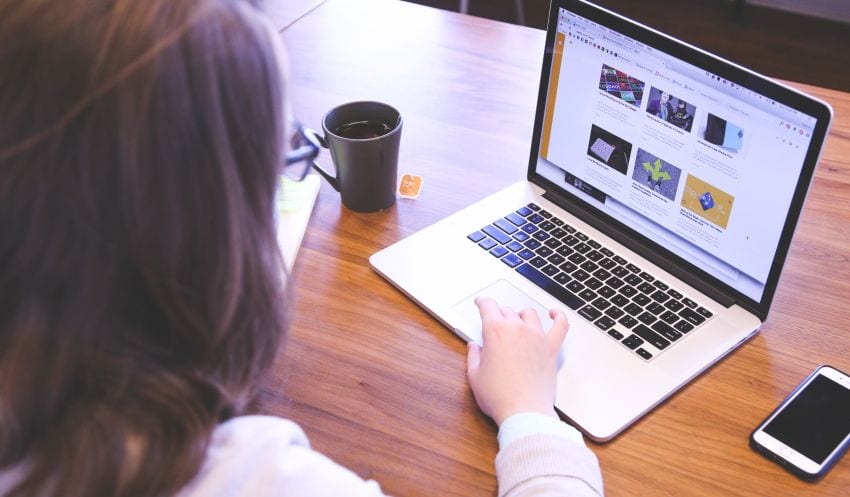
515 369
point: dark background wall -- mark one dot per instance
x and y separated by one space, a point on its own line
776 43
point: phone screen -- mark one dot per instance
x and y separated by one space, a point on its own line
816 421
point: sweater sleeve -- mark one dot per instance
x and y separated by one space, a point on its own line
544 465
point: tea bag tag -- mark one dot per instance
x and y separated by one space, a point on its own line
409 186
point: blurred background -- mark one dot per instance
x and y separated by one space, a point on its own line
804 41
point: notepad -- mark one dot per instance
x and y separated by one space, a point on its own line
293 206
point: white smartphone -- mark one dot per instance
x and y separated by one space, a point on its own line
810 430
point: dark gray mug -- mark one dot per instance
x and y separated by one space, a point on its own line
363 138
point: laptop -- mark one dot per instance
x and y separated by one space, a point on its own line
663 188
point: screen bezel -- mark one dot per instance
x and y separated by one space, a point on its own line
673 263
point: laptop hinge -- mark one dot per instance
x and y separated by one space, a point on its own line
667 263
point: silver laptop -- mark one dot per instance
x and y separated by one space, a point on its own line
664 185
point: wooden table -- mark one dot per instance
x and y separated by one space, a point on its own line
380 386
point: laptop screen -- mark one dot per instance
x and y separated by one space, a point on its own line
704 166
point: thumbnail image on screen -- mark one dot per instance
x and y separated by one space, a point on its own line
671 109
610 149
707 201
621 85
656 174
723 133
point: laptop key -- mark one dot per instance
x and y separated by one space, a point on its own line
565 250
553 243
506 226
676 295
633 279
594 255
619 260
529 228
487 243
601 304
594 244
628 321
589 266
587 294
556 290
641 299
704 312
614 312
524 211
498 251
618 300
589 313
581 236
655 308
527 254
538 262
546 214
632 342
577 258
683 326
533 244
647 318
602 274
521 236
633 309
607 263
541 235
575 286
555 259
582 247
616 334
568 267
516 219
666 331
557 222
496 234
631 267
569 228
533 206
593 283
690 303
660 285
550 270
580 275
652 337
658 296
669 317
607 252
562 278
558 232
544 251
570 240
476 237
512 260
535 218
691 316
604 323
615 283
674 305
648 277
643 353
546 226
515 246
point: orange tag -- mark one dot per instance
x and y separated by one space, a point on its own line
409 186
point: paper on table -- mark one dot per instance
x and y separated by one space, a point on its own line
293 206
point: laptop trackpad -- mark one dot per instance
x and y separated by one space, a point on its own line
506 295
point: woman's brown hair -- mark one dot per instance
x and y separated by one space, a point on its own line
140 279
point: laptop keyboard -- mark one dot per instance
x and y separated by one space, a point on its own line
630 305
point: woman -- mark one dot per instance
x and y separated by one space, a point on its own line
140 142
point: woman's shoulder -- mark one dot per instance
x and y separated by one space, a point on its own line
266 455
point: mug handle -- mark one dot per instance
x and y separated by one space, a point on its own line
332 180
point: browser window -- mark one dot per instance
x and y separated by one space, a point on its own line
698 164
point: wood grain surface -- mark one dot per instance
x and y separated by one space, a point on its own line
380 386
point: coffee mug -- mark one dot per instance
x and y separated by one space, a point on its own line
363 138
